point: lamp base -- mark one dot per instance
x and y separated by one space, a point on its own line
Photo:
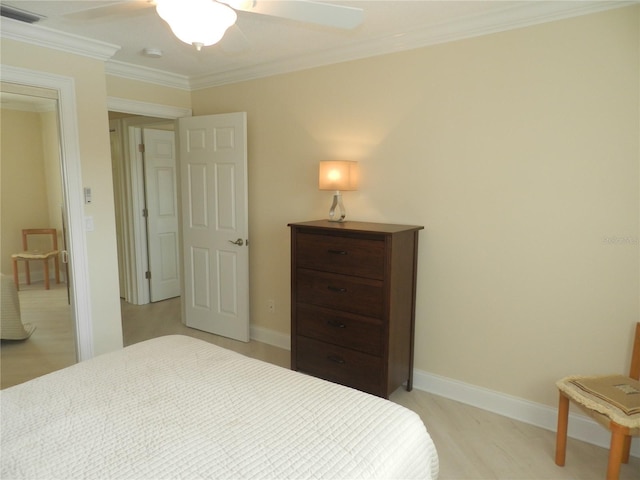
337 202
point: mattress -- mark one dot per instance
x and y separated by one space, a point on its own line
178 407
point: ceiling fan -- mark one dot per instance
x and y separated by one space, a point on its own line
203 23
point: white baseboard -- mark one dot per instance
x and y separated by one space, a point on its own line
580 427
37 276
271 337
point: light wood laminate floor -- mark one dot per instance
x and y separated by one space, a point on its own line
52 344
471 443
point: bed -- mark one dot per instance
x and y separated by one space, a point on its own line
179 407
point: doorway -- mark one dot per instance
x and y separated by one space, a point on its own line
145 190
72 182
227 183
33 197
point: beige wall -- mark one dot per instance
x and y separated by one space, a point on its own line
52 169
24 186
519 153
93 130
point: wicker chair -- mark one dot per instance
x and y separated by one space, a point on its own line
44 256
599 398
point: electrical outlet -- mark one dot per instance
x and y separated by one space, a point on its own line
271 306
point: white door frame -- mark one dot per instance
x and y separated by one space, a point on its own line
138 291
140 257
72 185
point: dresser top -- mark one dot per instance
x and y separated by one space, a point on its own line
356 226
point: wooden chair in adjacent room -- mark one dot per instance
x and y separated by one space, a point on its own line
612 400
39 255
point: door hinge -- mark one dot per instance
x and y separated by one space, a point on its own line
145 212
147 275
141 147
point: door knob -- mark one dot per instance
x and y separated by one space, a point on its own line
238 242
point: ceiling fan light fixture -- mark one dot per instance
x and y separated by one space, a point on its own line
200 23
152 52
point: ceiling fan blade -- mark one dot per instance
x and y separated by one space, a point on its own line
119 8
234 41
319 13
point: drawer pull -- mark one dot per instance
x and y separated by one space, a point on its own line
336 323
336 359
337 289
337 252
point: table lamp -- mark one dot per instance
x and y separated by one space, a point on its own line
338 175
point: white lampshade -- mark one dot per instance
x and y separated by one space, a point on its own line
197 22
338 175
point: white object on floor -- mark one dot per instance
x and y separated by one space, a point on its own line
11 326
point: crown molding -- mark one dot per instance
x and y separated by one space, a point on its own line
136 107
46 37
148 75
510 17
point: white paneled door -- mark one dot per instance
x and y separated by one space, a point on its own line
213 170
162 214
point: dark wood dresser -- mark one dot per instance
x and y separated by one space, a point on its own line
353 293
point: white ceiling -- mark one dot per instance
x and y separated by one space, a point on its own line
260 45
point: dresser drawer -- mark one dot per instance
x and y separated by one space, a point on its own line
340 292
352 256
340 365
364 334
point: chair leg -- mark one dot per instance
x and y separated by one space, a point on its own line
56 262
561 434
15 273
618 435
46 274
626 449
26 266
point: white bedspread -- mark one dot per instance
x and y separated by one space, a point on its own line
177 407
